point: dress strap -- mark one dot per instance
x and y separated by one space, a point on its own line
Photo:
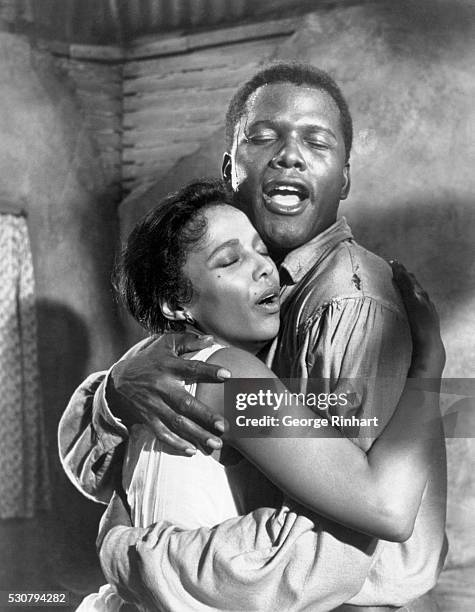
205 354
202 355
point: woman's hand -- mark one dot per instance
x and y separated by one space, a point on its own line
428 357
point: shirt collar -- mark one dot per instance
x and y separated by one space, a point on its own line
299 261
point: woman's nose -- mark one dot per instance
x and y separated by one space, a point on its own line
263 266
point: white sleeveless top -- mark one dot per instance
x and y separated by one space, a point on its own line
190 492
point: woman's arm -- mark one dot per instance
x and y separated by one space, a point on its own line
378 493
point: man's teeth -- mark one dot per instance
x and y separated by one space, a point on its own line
286 200
286 189
286 195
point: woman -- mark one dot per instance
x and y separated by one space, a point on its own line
196 260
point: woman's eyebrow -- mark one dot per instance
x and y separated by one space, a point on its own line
224 245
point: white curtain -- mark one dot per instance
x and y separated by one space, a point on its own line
24 483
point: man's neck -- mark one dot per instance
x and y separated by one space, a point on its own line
278 255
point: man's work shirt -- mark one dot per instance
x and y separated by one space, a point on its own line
342 320
344 326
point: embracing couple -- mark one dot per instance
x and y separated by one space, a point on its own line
262 281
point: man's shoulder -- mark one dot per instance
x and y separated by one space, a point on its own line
352 272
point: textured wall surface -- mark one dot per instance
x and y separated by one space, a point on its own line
407 71
172 104
51 170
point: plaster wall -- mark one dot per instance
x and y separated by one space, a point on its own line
51 172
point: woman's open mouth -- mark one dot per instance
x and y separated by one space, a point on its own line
269 300
285 197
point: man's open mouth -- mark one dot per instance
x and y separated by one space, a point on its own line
284 197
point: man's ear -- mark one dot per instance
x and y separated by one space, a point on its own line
172 314
345 187
226 167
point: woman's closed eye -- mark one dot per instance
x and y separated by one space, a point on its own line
228 263
227 260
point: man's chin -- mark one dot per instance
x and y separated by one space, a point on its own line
281 237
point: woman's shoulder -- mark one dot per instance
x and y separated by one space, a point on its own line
240 363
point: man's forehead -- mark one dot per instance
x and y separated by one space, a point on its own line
271 97
303 103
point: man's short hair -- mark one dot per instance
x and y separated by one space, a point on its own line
296 74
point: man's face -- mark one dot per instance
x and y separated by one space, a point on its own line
287 165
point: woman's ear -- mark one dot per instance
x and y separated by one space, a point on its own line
172 314
226 167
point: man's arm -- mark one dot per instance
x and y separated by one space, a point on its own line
370 343
138 389
266 560
90 442
361 344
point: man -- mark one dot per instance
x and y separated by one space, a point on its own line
289 136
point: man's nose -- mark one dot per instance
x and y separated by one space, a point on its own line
289 156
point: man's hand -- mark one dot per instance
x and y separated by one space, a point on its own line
148 388
428 359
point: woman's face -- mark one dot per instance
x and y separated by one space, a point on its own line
235 282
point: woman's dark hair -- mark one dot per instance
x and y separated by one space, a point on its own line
150 266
